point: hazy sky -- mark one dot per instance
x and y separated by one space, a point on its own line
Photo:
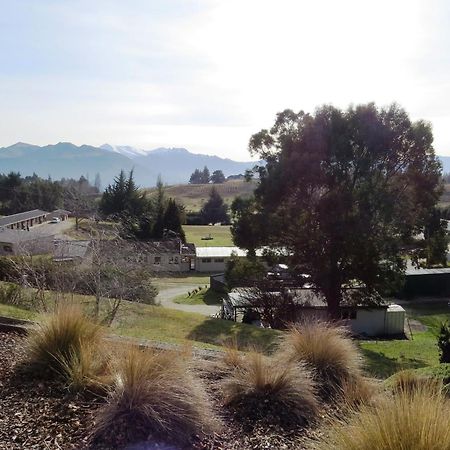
207 74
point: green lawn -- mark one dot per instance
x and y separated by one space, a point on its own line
204 297
165 282
221 235
386 357
167 325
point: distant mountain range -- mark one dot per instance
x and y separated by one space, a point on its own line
70 161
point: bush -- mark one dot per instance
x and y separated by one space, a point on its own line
327 350
263 389
67 343
154 395
417 419
409 381
444 343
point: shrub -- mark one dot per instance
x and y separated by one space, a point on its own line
263 389
329 352
66 343
155 395
417 419
410 380
444 343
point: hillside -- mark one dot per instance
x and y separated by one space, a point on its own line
193 196
64 159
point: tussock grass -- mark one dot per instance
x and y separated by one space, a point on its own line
154 394
330 353
67 343
408 381
262 388
417 419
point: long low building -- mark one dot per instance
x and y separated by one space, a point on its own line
214 259
24 219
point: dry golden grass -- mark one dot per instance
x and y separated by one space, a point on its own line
418 419
262 388
67 343
154 393
329 352
407 381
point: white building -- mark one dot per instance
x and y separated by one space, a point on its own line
214 259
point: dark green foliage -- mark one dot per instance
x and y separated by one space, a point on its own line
214 210
172 219
122 198
436 239
341 190
200 176
444 343
243 271
217 177
19 194
245 229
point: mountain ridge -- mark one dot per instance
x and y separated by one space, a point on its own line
68 160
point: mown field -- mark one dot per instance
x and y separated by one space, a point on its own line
193 196
221 235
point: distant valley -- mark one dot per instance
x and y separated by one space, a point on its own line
70 161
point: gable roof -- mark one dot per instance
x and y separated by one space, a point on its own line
19 217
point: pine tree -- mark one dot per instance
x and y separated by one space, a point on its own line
172 219
205 176
98 182
218 177
214 210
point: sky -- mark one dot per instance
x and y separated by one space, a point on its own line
207 74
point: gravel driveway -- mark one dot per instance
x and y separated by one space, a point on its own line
165 298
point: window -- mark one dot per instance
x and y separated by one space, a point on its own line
176 260
7 248
206 260
171 260
219 260
157 260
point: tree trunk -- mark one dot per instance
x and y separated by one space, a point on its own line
333 296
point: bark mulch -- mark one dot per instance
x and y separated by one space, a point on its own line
45 415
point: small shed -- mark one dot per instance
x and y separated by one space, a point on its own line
379 320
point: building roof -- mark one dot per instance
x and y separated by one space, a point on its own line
413 271
306 297
221 252
60 211
17 236
19 217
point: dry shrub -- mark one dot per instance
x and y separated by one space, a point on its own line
232 357
264 389
67 343
407 381
418 419
329 352
154 396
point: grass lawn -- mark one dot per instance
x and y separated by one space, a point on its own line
204 297
221 235
167 325
387 357
192 279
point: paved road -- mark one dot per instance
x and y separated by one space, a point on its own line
166 296
50 229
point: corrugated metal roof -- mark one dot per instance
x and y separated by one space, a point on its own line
412 271
218 252
19 217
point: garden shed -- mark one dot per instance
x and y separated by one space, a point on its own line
380 320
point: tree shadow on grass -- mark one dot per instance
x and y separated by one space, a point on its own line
382 366
218 331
